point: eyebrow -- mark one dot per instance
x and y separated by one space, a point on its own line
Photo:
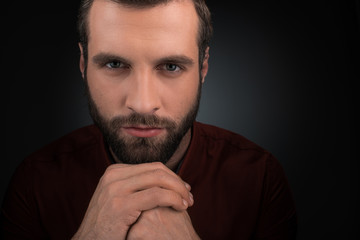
103 58
177 59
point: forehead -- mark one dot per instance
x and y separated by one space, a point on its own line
166 27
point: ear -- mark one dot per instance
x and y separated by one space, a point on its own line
82 61
205 65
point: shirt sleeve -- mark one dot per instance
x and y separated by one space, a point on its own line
19 216
278 219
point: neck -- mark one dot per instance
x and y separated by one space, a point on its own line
180 152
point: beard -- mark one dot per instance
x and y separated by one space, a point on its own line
136 150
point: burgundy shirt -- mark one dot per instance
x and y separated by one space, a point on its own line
240 190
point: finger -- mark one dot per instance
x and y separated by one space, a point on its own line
157 197
139 168
116 172
157 178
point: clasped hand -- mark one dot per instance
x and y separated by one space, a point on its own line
144 201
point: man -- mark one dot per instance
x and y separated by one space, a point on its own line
146 169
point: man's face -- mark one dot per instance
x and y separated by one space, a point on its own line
143 77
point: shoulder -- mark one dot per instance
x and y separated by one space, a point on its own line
72 158
234 156
78 142
224 138
215 151
50 178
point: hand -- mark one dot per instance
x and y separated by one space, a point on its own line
163 223
124 192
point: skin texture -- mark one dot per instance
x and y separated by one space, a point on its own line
125 192
144 200
160 221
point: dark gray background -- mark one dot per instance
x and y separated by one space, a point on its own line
282 74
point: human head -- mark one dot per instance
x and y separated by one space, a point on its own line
142 71
205 25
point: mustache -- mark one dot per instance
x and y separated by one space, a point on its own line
134 119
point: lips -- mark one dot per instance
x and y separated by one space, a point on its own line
143 131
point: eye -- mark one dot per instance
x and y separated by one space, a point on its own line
114 64
172 67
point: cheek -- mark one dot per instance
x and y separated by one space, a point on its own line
178 100
103 92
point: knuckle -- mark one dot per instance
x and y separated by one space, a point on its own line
158 165
160 173
174 197
112 206
168 181
111 173
106 194
112 166
111 189
107 176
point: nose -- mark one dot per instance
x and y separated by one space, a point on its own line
143 95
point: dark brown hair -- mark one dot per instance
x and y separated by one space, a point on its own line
204 32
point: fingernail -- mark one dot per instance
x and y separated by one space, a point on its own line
188 187
185 203
191 198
